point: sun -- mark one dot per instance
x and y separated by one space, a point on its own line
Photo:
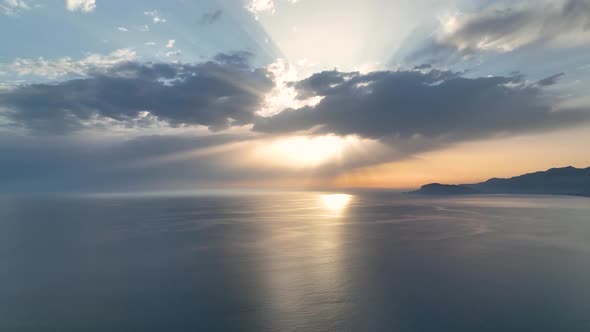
307 151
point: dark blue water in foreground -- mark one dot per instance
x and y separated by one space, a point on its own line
295 262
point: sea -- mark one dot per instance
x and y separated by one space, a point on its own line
294 261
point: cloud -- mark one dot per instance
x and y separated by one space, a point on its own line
406 110
212 17
9 85
284 95
216 94
169 161
65 66
13 7
156 18
84 6
142 28
235 59
423 66
122 29
257 6
62 164
170 43
173 53
563 23
416 111
551 80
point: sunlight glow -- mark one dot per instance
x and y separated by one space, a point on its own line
336 202
304 151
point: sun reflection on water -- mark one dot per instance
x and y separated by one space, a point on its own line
336 202
306 256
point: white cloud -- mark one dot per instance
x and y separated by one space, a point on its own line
6 86
555 23
12 7
257 6
17 4
122 29
156 18
170 43
284 95
60 67
84 6
173 53
143 28
150 44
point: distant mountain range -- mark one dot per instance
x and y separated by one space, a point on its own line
556 181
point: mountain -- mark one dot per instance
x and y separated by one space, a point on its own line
446 189
556 181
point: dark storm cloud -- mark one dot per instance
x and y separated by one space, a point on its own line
417 110
563 23
212 17
216 94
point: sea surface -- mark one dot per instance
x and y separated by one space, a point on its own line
302 261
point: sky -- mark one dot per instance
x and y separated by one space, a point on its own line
140 95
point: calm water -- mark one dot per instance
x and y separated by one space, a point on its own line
295 262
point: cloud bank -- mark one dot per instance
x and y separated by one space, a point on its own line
13 7
501 29
407 108
388 115
417 110
217 94
84 6
57 68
